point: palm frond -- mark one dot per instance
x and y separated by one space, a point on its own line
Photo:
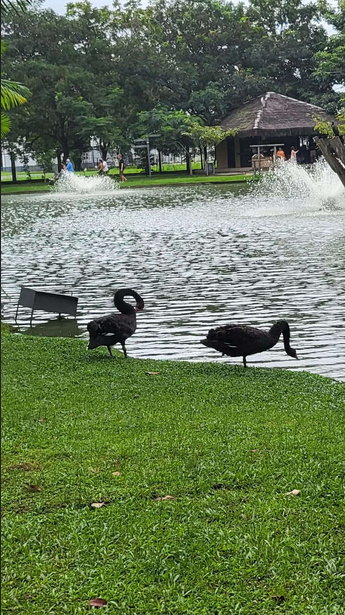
13 94
5 124
14 6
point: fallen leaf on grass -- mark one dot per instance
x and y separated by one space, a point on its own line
152 373
166 497
116 473
42 420
98 602
33 488
255 450
97 504
293 492
278 598
27 467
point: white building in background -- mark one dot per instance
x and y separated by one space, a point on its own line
6 163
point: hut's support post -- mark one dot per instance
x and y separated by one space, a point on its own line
237 146
259 158
334 152
274 154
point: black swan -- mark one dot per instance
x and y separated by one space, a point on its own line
116 328
241 340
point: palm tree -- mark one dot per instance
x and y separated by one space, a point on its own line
12 94
14 6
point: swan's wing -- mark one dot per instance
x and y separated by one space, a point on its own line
113 324
236 336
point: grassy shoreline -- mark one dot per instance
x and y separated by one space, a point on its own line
137 182
226 443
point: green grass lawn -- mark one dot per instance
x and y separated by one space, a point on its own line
226 443
137 182
21 175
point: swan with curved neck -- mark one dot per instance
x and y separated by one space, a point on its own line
116 328
242 340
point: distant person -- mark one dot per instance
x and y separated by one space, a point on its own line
58 175
121 167
281 154
69 166
103 168
294 153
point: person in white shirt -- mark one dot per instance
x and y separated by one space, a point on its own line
294 153
103 168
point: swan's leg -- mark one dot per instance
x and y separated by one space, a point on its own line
244 362
109 350
124 350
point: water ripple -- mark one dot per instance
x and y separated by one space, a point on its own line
200 257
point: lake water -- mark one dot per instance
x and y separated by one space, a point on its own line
201 256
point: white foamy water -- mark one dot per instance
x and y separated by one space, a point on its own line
79 184
315 185
201 256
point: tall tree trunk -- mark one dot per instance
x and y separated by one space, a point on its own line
77 160
201 158
160 160
104 149
13 167
58 155
205 159
188 164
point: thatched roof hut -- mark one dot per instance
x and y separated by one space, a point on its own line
270 118
275 115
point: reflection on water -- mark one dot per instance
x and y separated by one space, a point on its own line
200 256
57 327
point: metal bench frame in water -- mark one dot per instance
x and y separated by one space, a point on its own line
49 302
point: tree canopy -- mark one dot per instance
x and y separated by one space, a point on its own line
180 65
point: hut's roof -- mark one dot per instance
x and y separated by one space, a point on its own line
274 115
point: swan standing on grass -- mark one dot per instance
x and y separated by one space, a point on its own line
242 340
116 328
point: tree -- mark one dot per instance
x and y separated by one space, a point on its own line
174 130
290 36
12 94
70 61
330 67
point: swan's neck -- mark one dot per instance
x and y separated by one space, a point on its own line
277 329
281 327
121 304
